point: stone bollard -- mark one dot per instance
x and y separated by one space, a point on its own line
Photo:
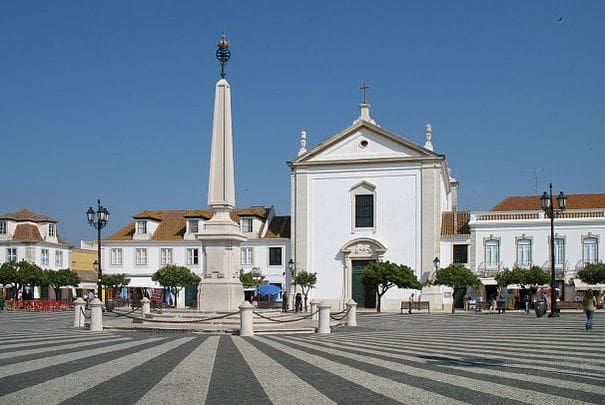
79 319
96 315
323 324
246 326
145 306
314 303
352 314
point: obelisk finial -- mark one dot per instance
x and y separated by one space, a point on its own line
223 53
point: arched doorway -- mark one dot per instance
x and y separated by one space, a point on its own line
357 253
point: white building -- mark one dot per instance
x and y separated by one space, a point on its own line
33 238
367 194
157 238
516 233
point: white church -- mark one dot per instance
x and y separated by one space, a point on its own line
367 194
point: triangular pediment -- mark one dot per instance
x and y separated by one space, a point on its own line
365 141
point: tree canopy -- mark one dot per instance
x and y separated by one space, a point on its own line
174 276
384 275
21 274
530 278
456 276
249 279
59 278
306 281
593 273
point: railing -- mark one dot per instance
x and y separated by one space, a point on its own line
489 216
486 270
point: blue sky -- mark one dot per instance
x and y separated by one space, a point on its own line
113 99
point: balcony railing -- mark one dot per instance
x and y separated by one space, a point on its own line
491 216
488 270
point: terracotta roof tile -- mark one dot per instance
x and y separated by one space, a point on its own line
454 223
532 202
27 232
173 222
279 227
26 215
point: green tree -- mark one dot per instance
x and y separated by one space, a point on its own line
384 275
114 281
23 274
306 281
593 273
530 278
458 277
8 275
175 277
58 279
250 279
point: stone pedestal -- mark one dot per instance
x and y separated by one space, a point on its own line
323 324
246 323
352 314
145 306
96 315
220 289
79 319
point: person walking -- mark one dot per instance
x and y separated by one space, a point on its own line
526 303
589 303
284 302
298 302
411 303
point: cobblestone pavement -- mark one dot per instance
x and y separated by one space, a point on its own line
392 358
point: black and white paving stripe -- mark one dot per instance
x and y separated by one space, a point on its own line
418 359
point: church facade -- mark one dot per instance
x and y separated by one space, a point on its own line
367 194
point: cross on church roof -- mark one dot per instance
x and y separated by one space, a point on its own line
364 90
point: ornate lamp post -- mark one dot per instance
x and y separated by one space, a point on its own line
98 219
436 263
547 203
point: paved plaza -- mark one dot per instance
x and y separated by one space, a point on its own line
418 359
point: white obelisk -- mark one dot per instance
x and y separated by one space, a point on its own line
221 289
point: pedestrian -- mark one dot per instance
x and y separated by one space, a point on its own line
284 302
589 303
526 303
465 301
298 302
411 302
492 304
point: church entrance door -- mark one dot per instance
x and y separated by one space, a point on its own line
364 295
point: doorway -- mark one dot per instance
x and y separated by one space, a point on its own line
364 295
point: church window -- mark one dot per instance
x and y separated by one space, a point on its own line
461 254
193 256
246 225
492 253
51 230
524 252
275 256
363 143
590 250
2 227
364 211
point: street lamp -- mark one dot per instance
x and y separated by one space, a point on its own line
98 219
546 201
436 263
